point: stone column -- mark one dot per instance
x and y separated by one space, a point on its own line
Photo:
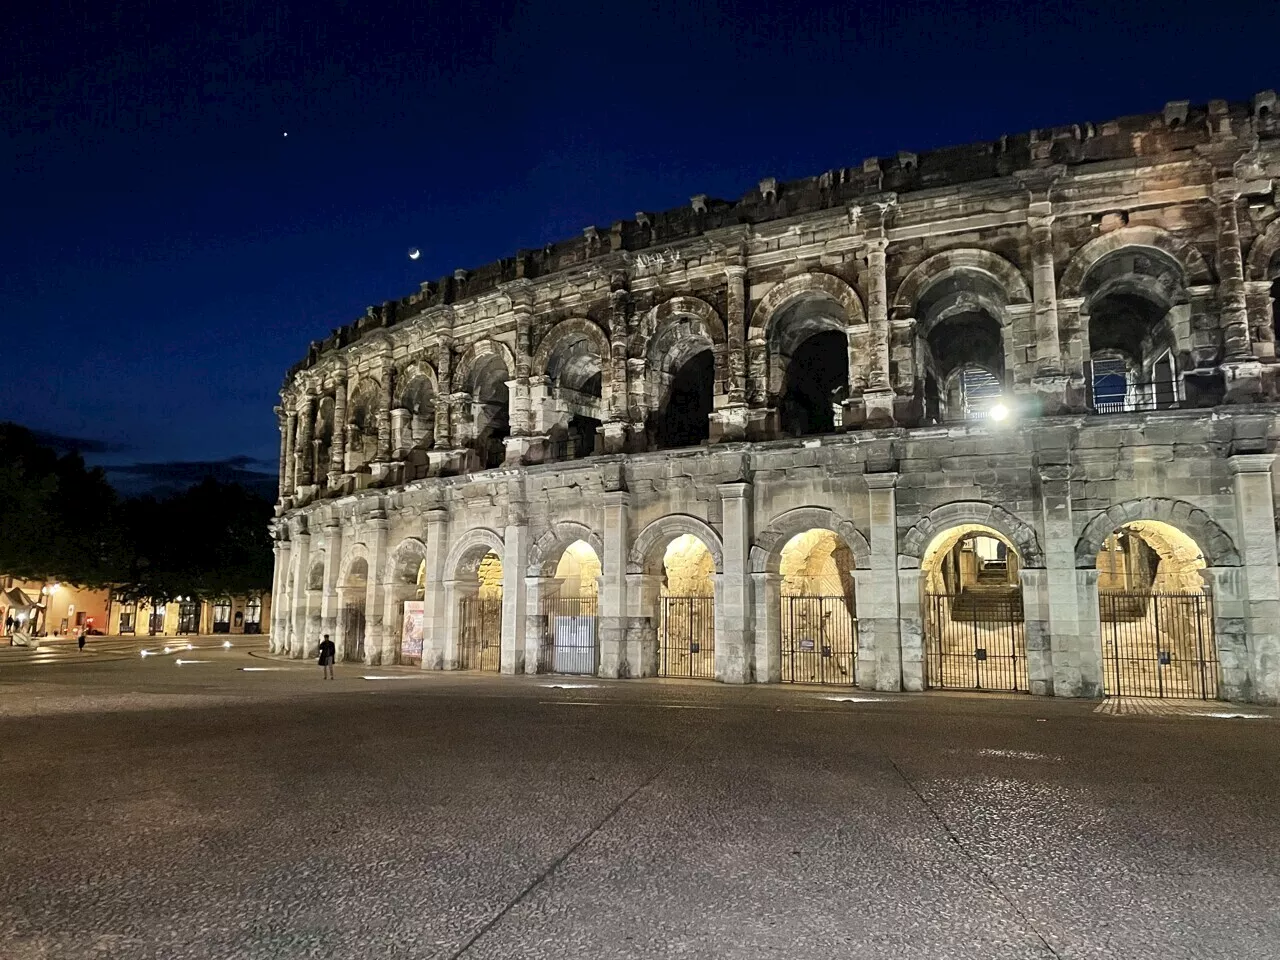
454 592
435 627
615 427
302 454
1049 381
879 395
729 419
283 422
299 642
1256 540
537 589
521 425
401 433
1232 304
766 589
1074 660
613 586
1034 583
385 400
290 459
443 408
332 567
515 558
338 450
735 655
378 646
643 591
884 660
280 601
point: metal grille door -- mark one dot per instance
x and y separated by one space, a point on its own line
687 638
479 634
569 635
818 641
1158 645
353 633
975 641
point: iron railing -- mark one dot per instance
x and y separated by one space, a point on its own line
687 638
569 635
479 634
1157 644
819 641
975 641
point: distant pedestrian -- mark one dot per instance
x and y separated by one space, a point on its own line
80 639
327 653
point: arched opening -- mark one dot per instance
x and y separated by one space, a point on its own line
570 613
961 318
975 637
488 413
480 617
1138 310
809 364
352 599
683 418
362 427
819 610
418 426
405 600
322 442
574 368
1157 617
686 629
306 644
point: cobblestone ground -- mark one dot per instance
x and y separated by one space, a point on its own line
157 810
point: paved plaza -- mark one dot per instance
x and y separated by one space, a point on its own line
241 807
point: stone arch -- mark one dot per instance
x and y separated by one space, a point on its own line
1017 531
781 294
406 559
477 358
469 549
567 334
411 374
545 552
1000 271
1263 252
686 306
1195 270
315 574
645 555
766 553
354 553
1218 548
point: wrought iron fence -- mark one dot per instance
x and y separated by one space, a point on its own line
975 641
1137 397
569 637
687 638
1157 644
818 641
479 634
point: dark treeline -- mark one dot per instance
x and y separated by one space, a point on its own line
61 520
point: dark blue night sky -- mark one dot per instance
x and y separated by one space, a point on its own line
169 252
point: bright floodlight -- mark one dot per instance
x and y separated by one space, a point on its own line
226 644
999 412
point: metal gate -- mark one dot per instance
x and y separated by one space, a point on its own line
818 641
568 635
1158 645
975 641
479 634
353 633
687 638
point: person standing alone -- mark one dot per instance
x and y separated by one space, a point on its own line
327 652
80 638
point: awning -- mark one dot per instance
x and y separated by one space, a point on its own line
14 597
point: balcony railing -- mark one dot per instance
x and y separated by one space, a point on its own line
1138 398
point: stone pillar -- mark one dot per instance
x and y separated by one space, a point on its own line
332 567
378 646
1076 663
879 394
401 433
1232 304
882 655
435 626
735 656
613 587
1049 381
302 455
538 589
521 425
454 592
1256 540
766 589
729 419
290 460
385 399
299 642
443 408
515 558
1035 627
338 450
1078 659
282 469
643 592
280 600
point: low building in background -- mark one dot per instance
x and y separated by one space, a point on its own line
50 608
187 616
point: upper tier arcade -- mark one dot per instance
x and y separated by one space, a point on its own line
1090 269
